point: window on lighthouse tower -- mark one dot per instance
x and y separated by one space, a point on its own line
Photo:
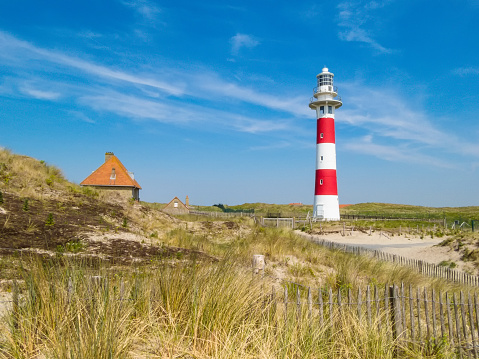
330 109
321 110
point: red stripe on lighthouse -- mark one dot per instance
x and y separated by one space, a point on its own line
325 130
326 183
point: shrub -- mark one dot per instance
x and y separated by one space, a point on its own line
49 222
25 205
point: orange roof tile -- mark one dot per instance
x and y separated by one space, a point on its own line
103 175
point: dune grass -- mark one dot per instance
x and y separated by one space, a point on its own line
213 311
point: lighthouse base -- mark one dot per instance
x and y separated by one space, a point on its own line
326 208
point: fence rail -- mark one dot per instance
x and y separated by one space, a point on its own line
222 214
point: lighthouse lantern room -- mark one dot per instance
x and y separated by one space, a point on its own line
325 101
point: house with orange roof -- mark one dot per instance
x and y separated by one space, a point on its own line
112 175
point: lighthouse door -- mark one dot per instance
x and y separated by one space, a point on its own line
319 211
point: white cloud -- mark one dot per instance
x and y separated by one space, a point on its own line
464 71
172 112
410 131
353 18
273 146
11 45
242 40
394 153
40 94
81 116
147 10
397 127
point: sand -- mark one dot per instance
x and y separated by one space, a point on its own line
409 246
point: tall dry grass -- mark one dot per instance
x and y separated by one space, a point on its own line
207 311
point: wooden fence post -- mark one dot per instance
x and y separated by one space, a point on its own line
394 307
69 290
298 303
471 322
411 311
285 304
368 301
15 304
310 305
320 302
331 323
258 264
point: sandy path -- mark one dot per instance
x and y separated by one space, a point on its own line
407 246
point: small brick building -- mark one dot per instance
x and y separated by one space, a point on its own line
113 176
177 207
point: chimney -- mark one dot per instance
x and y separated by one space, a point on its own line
187 201
108 155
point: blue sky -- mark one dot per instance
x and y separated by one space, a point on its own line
210 99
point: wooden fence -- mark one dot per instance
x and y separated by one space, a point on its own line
292 222
412 317
222 214
417 318
428 269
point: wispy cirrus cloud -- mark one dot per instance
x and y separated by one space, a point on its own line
354 17
397 130
40 94
147 95
147 10
240 41
172 112
12 46
400 133
397 153
464 71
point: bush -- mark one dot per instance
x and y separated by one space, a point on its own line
25 205
49 222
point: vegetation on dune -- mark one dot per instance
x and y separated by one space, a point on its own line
189 310
408 211
100 278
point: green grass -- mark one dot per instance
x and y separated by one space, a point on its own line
409 211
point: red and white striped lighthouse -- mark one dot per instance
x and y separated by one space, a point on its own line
325 102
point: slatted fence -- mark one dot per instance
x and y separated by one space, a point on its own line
413 317
428 269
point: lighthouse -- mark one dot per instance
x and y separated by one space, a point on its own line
325 101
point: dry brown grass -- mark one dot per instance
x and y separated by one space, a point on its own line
29 177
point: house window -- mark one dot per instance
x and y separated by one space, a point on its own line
175 204
113 174
321 110
321 135
330 109
321 182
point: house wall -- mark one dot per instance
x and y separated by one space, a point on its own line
124 192
180 209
